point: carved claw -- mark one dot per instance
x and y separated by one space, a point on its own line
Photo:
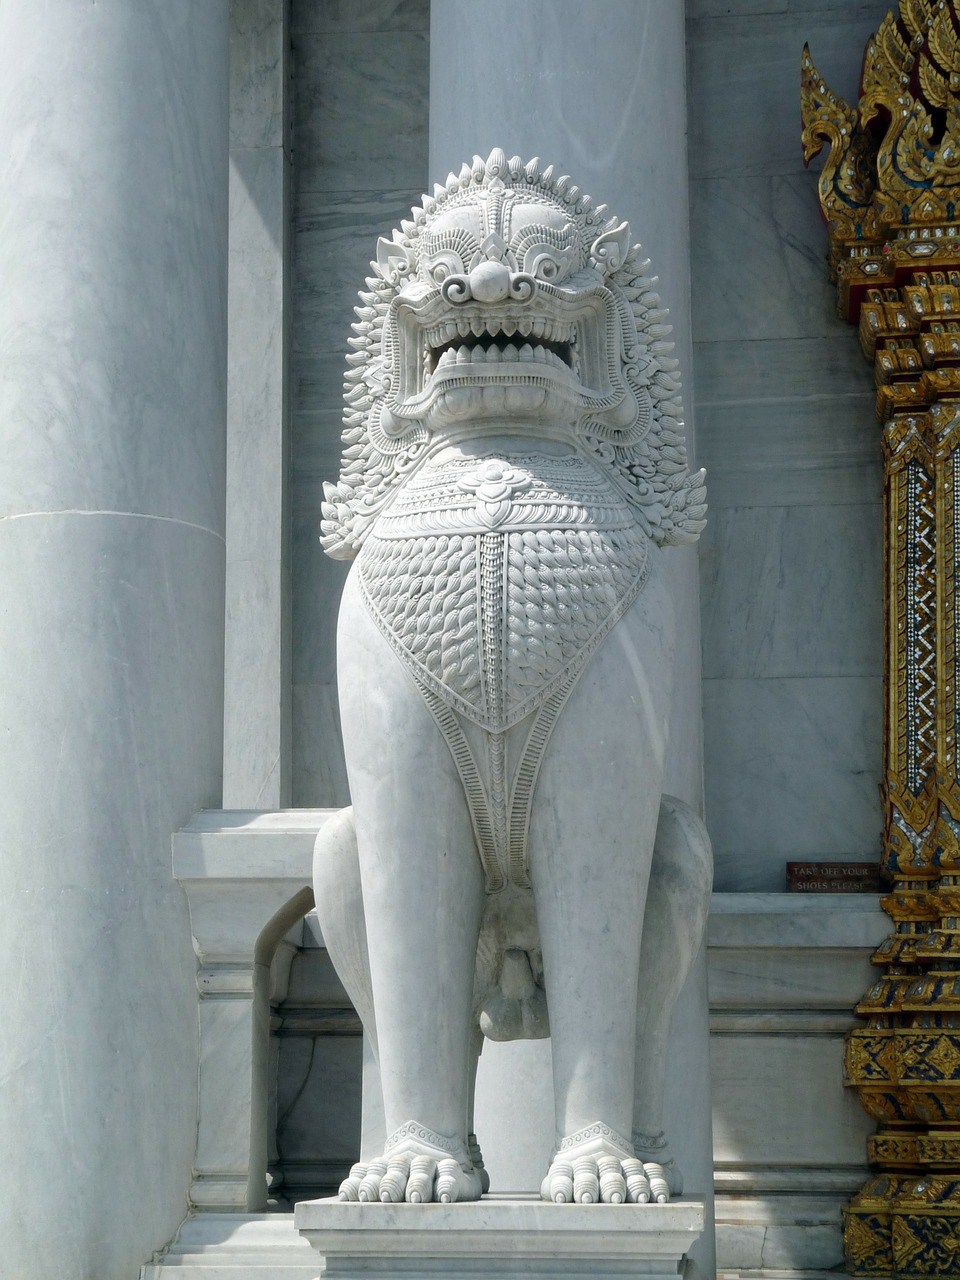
638 1188
613 1185
654 1149
448 1181
423 1172
456 1183
369 1190
558 1184
659 1190
393 1184
597 1179
350 1187
586 1181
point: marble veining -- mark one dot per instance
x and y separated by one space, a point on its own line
80 434
757 258
791 770
318 765
336 71
257 68
340 16
332 236
791 453
779 601
743 70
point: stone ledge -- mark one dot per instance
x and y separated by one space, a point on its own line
785 920
248 844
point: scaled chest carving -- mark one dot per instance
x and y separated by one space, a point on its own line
494 577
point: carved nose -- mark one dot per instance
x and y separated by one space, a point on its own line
490 281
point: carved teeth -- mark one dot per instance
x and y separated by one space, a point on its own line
463 353
501 327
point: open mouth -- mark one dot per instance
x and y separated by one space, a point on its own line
563 358
483 340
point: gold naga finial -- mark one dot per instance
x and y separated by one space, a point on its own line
890 185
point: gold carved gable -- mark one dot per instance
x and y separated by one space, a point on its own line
890 184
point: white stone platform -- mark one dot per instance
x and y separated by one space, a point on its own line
507 1237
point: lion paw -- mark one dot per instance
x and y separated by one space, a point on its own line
604 1180
596 1166
418 1167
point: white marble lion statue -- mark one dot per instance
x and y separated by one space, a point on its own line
513 463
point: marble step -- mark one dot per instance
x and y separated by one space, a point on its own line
234 1246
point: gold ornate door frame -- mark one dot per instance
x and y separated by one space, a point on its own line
890 195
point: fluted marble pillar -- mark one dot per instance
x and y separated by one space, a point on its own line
113 216
598 91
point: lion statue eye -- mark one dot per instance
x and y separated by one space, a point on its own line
547 263
443 266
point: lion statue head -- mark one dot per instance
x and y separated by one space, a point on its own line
510 299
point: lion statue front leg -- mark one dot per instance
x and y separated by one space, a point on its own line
592 834
422 899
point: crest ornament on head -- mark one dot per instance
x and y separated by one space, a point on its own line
509 299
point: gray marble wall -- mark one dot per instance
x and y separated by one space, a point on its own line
791 559
360 163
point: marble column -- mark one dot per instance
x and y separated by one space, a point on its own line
113 209
599 92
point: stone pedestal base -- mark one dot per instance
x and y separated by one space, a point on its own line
510 1238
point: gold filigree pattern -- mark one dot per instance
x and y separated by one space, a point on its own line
889 193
